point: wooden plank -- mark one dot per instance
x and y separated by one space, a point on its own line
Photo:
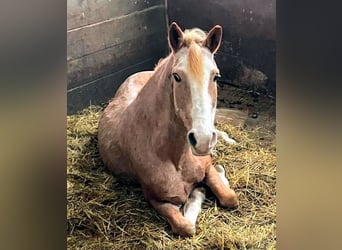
115 58
85 12
139 24
104 9
90 39
102 89
85 41
77 13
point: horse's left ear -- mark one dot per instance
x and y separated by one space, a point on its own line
213 40
175 37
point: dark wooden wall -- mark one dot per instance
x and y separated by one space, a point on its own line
249 32
107 40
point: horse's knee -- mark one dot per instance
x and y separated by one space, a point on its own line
184 228
219 184
229 199
179 224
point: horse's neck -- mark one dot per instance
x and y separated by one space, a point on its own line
156 112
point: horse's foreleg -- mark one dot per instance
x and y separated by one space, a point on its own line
216 180
193 205
179 224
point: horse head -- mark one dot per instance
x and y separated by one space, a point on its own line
193 78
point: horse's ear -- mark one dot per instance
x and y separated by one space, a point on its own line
175 37
213 40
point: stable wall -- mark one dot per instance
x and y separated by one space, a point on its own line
107 40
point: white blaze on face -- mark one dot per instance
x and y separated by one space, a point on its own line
203 112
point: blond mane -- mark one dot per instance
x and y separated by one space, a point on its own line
195 35
160 63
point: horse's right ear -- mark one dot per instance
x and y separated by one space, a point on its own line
214 38
175 37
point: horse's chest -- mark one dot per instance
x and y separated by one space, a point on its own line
192 172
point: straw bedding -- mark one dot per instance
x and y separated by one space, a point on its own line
105 212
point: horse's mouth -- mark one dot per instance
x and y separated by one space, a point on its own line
196 153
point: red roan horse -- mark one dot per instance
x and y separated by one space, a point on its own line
159 129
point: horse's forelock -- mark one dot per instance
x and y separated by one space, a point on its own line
195 35
195 62
194 39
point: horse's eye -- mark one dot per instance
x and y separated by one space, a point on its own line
177 77
216 77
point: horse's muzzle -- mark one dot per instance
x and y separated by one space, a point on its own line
201 143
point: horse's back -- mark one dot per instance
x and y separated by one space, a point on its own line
109 130
129 90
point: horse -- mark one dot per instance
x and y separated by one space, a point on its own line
159 129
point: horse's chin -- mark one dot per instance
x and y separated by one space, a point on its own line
194 152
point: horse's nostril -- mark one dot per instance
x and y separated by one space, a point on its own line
192 139
213 139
